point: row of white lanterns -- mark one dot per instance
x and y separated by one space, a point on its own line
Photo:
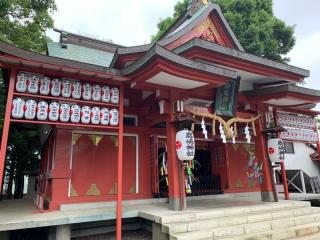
300 135
54 112
294 120
35 84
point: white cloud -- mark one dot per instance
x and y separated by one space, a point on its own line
306 51
127 22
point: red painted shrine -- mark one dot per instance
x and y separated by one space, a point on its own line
109 123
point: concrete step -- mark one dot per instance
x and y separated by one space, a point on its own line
274 219
296 232
197 235
315 236
233 211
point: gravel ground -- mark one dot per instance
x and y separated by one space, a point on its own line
128 235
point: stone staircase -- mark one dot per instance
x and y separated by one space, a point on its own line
283 220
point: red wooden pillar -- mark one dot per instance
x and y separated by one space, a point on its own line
284 180
176 199
6 124
119 169
267 186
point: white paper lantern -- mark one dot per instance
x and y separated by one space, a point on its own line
185 145
76 90
276 149
96 92
54 111
64 112
33 84
21 83
56 87
105 94
85 114
114 117
75 112
18 108
66 88
104 116
45 83
30 110
114 95
95 115
42 111
86 91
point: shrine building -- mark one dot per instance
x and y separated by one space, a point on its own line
108 116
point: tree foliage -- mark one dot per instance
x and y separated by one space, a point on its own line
254 24
23 23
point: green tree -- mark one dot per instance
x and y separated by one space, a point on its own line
23 23
254 24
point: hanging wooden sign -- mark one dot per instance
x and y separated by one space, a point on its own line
227 98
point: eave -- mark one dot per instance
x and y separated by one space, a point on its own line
159 60
24 60
282 95
220 55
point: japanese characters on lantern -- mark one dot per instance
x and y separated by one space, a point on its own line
62 110
276 150
43 85
185 145
298 127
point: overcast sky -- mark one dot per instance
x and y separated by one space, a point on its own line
132 22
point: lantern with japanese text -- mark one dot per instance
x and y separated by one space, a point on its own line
85 114
66 88
86 91
33 84
185 145
276 150
21 83
114 117
18 108
105 94
96 92
42 111
64 112
30 109
95 115
104 116
75 115
114 95
76 90
45 83
54 111
56 87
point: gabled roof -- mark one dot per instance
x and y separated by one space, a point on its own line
80 53
210 47
17 56
159 51
188 24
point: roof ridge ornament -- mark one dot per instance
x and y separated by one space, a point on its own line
195 5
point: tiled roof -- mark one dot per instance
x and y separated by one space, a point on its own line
80 54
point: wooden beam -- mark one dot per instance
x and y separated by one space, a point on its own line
6 124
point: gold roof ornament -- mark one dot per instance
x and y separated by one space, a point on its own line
195 5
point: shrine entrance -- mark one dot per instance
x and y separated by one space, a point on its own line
206 173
